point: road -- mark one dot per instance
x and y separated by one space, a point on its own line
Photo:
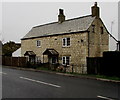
29 84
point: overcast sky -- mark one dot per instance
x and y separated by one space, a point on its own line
19 17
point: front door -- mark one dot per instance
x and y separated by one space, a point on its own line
32 59
53 60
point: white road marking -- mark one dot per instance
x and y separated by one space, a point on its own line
3 73
40 82
106 98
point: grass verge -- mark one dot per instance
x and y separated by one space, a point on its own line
87 75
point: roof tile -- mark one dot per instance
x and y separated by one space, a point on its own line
71 25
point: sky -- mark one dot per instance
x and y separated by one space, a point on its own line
18 18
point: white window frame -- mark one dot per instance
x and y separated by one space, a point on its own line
64 57
38 43
66 42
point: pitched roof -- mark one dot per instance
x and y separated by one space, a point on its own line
29 53
55 28
50 52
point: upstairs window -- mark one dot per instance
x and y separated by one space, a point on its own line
93 28
66 42
101 30
38 43
66 60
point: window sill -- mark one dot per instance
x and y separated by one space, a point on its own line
38 46
65 65
65 46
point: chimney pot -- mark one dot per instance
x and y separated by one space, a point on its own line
60 11
96 4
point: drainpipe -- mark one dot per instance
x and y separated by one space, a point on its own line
43 59
118 45
88 43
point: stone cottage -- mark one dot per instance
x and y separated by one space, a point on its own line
67 42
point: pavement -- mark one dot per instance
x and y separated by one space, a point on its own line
30 83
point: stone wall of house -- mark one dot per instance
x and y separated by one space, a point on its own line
98 42
77 50
82 45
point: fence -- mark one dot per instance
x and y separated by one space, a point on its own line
94 65
14 61
108 65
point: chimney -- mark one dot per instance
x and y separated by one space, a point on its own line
61 17
95 10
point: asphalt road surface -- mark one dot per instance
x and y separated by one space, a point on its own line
28 84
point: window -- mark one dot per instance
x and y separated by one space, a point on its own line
66 42
101 30
38 43
93 28
66 60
